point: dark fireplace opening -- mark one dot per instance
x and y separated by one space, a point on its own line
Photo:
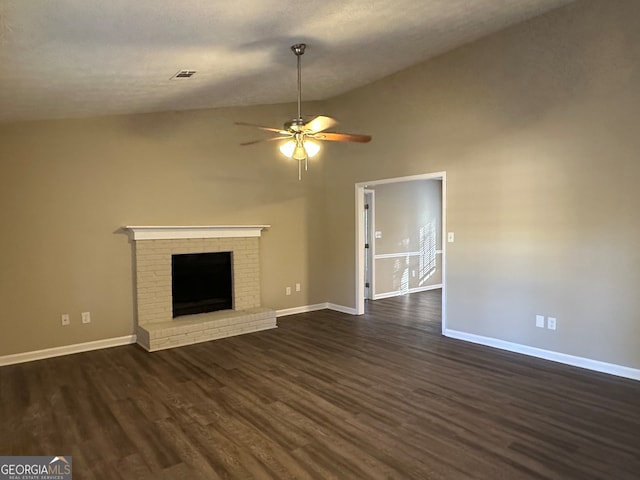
201 283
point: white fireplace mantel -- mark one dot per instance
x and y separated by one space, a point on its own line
199 231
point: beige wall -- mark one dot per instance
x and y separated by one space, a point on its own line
537 129
68 186
408 216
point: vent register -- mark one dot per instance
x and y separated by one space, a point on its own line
184 74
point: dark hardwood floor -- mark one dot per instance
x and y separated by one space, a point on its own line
324 396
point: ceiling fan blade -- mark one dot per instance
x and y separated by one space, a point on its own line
342 137
319 123
268 129
253 142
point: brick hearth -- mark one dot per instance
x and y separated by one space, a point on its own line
156 329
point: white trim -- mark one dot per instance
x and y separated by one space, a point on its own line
408 178
587 363
402 254
343 309
194 231
397 255
372 243
66 350
397 293
303 309
360 250
314 308
443 301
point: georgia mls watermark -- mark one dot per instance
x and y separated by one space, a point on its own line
36 468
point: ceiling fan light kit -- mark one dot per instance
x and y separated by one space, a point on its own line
300 136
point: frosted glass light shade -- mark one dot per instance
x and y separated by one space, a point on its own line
287 148
299 153
312 148
307 148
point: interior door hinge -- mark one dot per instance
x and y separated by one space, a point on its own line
366 245
367 285
366 206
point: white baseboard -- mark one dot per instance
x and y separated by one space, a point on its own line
342 309
66 350
397 293
129 339
303 309
587 363
313 308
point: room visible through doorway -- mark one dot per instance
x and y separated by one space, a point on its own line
400 239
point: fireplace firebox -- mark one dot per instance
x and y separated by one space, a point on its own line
201 282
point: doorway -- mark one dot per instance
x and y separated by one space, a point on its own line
366 229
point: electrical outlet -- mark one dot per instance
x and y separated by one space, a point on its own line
551 323
297 287
540 321
451 237
66 320
86 317
287 291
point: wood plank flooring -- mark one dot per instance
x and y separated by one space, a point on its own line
325 396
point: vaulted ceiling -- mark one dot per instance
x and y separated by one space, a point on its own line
80 58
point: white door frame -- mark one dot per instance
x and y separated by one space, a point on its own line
371 240
360 235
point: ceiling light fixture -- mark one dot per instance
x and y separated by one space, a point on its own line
300 149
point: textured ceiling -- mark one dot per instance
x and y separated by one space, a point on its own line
79 58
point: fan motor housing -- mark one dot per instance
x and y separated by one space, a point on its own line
294 124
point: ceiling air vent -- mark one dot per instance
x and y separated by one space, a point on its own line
184 74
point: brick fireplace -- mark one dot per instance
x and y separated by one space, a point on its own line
153 250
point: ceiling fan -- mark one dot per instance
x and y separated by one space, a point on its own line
300 135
